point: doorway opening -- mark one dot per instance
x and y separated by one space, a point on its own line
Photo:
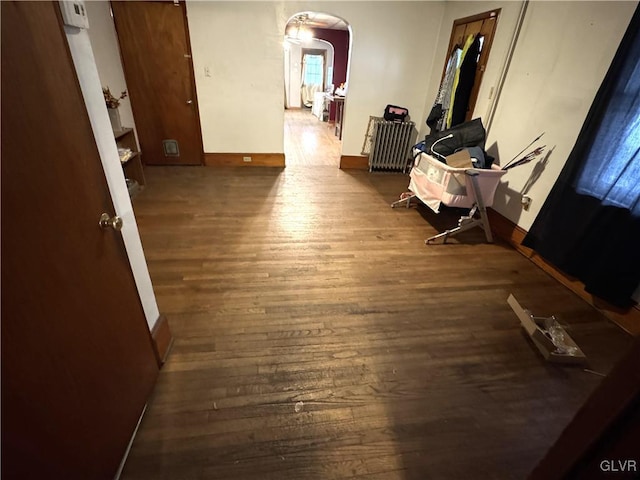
316 64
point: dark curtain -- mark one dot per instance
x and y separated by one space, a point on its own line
589 226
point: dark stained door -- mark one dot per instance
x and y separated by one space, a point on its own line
157 61
77 357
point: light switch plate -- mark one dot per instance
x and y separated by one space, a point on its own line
74 13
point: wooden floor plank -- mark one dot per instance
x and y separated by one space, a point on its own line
302 285
308 141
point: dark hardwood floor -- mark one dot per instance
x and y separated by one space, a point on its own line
317 337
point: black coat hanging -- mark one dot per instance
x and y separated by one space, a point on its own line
466 81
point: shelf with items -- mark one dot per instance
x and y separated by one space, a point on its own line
130 157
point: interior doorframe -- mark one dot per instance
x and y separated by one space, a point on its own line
484 54
183 9
350 40
189 58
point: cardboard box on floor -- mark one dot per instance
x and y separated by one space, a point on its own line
537 331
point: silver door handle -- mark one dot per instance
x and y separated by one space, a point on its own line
189 102
114 222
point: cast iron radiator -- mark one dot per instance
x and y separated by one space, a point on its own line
391 144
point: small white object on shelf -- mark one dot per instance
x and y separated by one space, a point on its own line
125 154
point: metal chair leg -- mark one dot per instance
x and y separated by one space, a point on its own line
480 203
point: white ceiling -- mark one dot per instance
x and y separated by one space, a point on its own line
319 20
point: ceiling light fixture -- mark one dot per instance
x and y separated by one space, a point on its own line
299 32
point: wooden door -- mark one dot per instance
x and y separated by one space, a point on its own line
156 54
485 25
77 357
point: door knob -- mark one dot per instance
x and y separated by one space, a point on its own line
114 222
189 102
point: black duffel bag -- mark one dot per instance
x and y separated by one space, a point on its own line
468 134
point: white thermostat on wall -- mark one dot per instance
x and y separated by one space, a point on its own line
74 13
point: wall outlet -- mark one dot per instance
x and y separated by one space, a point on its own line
246 159
207 72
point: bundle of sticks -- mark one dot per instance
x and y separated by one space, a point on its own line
516 162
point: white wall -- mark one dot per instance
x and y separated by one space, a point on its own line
241 104
561 58
85 64
106 51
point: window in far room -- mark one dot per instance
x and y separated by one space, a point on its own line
313 68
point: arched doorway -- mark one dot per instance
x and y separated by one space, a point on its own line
316 62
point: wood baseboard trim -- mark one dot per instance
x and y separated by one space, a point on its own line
237 160
502 227
357 162
162 339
